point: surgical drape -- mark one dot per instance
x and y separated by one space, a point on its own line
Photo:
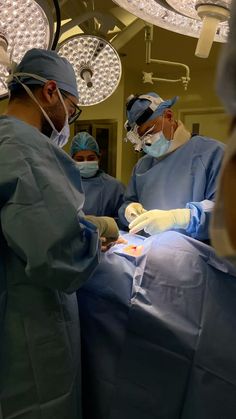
158 332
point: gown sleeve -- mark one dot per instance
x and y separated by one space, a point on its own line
201 211
42 221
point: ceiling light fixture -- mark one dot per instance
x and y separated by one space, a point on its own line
24 24
97 67
206 19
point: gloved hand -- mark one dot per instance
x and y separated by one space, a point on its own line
156 221
133 210
107 226
107 243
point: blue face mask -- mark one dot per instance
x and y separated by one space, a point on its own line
159 146
88 168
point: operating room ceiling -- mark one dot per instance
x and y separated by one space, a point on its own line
107 19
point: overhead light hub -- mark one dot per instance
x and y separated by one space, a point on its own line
86 74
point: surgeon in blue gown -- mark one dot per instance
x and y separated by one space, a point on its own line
158 332
173 186
48 247
223 228
103 193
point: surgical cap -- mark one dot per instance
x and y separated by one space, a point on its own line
49 65
226 72
141 105
83 141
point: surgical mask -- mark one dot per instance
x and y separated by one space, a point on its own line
60 138
88 168
159 146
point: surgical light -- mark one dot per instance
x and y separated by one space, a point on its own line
97 67
24 24
206 19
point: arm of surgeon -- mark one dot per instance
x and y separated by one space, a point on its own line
229 197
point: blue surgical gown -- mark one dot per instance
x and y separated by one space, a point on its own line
103 195
158 332
47 252
186 177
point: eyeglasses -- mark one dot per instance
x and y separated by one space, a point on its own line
138 140
77 110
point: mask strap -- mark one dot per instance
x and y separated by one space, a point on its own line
172 133
162 123
64 106
35 100
16 76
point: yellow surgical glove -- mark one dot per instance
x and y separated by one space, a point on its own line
133 210
157 221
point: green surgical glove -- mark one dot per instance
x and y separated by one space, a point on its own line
107 226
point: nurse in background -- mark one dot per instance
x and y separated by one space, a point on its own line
103 193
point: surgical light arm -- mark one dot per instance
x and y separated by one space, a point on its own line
148 77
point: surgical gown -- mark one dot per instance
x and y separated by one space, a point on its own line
158 332
103 195
186 177
47 252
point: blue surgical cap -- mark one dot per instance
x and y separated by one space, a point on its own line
83 141
226 72
141 104
49 65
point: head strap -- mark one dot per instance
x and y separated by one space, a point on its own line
147 113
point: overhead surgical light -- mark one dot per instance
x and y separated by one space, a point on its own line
24 24
206 19
97 67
